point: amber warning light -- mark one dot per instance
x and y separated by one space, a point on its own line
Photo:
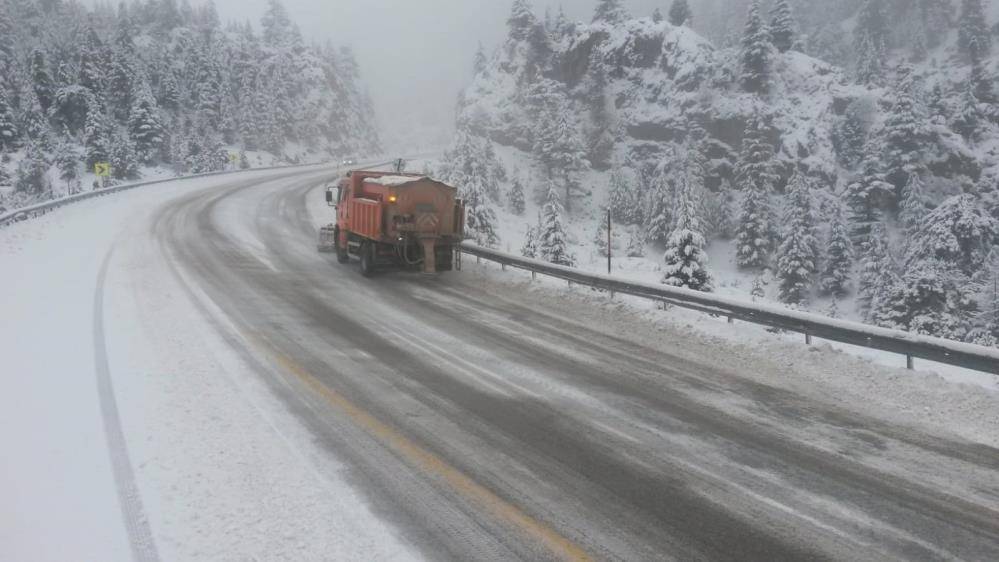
393 198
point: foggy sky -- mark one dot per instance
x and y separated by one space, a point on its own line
415 55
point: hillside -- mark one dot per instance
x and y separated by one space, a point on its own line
160 88
649 118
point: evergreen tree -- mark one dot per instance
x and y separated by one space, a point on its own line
123 158
124 71
8 126
969 116
657 16
521 22
913 208
600 235
851 136
67 160
480 218
836 272
97 137
871 40
516 198
974 38
878 274
959 233
660 207
552 238
32 171
530 248
278 30
936 16
685 259
610 11
797 257
905 135
144 127
866 196
756 53
42 80
558 148
680 13
782 26
636 244
480 62
755 178
622 199
33 121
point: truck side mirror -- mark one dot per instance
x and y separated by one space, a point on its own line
332 196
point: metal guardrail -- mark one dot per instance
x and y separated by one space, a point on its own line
46 207
811 325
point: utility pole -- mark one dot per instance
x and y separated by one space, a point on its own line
609 249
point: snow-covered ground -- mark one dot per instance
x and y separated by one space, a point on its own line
224 471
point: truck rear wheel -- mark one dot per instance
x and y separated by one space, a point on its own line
367 259
342 255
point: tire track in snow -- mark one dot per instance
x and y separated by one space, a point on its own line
136 523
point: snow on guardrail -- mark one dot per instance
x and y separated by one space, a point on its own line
32 211
911 345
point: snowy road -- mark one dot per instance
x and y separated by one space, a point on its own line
276 405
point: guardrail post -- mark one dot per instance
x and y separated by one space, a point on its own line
808 338
534 276
503 265
910 363
731 320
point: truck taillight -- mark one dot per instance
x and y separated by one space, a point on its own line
393 198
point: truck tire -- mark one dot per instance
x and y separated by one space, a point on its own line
367 259
342 255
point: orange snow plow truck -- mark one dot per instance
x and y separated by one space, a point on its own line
393 220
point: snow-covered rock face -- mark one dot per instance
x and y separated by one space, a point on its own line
654 79
659 76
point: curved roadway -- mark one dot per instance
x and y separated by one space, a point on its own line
486 426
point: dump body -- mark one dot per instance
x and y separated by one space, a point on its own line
400 219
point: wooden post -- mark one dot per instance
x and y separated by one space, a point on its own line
808 338
910 362
534 276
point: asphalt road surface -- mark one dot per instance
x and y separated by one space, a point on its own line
483 425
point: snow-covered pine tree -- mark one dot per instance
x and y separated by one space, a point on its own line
680 13
32 171
871 41
516 197
480 218
41 80
34 123
905 135
660 206
867 196
558 147
144 127
657 15
124 71
878 274
755 178
851 135
936 16
685 261
553 244
969 116
8 126
797 257
67 160
726 211
756 52
521 21
479 63
913 208
530 247
783 28
959 233
636 244
974 38
838 265
124 159
96 137
622 198
610 11
600 235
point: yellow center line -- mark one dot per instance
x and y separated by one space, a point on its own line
430 463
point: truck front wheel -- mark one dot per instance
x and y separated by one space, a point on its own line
367 259
342 256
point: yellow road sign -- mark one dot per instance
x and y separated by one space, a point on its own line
102 169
